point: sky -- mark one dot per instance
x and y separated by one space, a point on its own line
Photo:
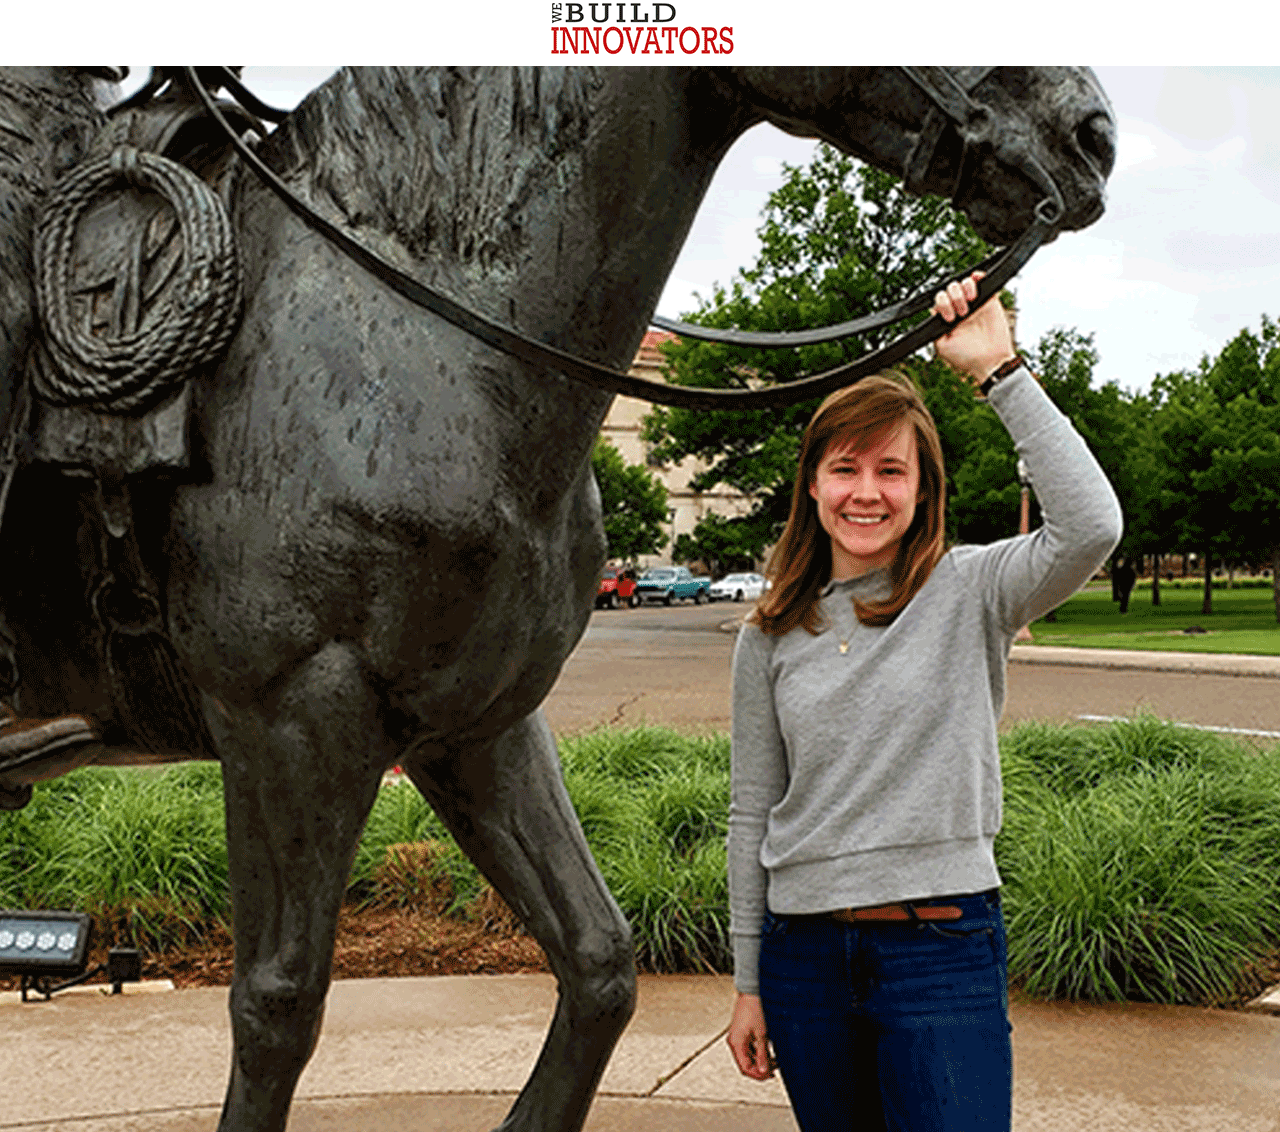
1186 255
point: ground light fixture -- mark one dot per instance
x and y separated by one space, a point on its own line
42 948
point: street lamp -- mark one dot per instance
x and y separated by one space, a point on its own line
1024 513
1024 526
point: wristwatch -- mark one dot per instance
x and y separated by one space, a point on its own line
1005 369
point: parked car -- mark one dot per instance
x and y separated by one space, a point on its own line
738 587
672 583
617 587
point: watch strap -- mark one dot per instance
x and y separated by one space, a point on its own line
1005 369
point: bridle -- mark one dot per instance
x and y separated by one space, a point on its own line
951 105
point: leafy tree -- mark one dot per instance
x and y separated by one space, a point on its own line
634 503
839 239
1246 471
1249 364
983 493
724 543
1189 426
1148 526
1105 416
1204 473
1243 475
988 494
1064 360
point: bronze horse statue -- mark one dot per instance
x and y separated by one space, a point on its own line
389 539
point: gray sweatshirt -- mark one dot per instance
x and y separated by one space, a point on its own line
874 776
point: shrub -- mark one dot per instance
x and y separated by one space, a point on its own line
654 805
1140 861
400 816
143 851
677 904
383 870
687 808
413 875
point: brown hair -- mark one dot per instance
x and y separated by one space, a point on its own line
801 562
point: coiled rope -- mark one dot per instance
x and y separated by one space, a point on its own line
191 327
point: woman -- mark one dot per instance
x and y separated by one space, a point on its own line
868 942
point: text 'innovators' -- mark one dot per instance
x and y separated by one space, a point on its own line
593 28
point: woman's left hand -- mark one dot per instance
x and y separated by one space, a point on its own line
982 343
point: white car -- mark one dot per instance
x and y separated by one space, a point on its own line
738 587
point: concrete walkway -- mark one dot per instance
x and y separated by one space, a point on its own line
446 1054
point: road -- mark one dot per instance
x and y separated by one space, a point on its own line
671 666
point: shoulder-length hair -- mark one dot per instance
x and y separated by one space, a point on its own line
801 562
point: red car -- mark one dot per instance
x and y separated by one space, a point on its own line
617 586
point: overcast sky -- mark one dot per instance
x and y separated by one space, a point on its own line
1187 254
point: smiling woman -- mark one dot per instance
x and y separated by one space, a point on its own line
864 895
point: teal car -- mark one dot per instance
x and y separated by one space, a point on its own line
672 583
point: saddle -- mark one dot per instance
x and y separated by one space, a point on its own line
139 287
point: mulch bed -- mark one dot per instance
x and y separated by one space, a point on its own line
373 942
379 942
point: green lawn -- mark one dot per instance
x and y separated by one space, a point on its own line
1242 621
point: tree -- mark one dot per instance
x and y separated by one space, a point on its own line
1249 364
1064 359
633 501
724 543
838 240
1245 466
1148 526
983 493
1190 426
1207 469
1105 416
1246 471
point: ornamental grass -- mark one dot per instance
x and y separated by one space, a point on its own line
142 851
1141 860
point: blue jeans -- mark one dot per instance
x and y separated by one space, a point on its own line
888 1026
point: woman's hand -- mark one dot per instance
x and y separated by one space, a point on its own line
747 1038
982 343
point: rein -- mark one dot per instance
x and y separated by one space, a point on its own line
951 106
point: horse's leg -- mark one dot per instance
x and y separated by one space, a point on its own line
506 804
300 776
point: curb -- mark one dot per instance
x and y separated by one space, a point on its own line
1215 664
1268 1002
101 990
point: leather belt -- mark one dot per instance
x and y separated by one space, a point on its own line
897 913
